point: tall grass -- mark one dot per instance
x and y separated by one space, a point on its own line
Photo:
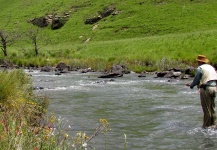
20 112
14 86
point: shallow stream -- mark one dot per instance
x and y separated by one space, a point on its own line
153 113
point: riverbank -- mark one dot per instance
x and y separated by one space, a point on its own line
138 54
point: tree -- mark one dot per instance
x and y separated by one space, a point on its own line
3 43
37 39
6 40
33 35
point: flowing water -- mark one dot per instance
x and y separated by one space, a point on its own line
152 112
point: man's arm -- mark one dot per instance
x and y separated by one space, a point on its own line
197 78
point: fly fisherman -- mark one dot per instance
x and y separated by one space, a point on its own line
205 79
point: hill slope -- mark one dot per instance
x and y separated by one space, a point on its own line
137 18
130 19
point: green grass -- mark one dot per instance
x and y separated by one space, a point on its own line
140 36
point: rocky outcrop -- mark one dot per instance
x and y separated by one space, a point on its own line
56 21
40 22
111 10
93 20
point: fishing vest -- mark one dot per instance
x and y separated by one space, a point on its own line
208 73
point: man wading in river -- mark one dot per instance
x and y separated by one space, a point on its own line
205 79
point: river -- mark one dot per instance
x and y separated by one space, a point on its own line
153 113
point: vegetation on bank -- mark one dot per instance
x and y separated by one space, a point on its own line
149 35
26 124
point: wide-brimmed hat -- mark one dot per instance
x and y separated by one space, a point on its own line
202 58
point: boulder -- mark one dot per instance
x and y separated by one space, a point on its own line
58 73
38 88
104 81
111 75
142 74
47 69
121 69
186 76
161 74
173 74
190 71
86 70
62 67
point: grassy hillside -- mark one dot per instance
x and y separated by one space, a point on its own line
143 33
